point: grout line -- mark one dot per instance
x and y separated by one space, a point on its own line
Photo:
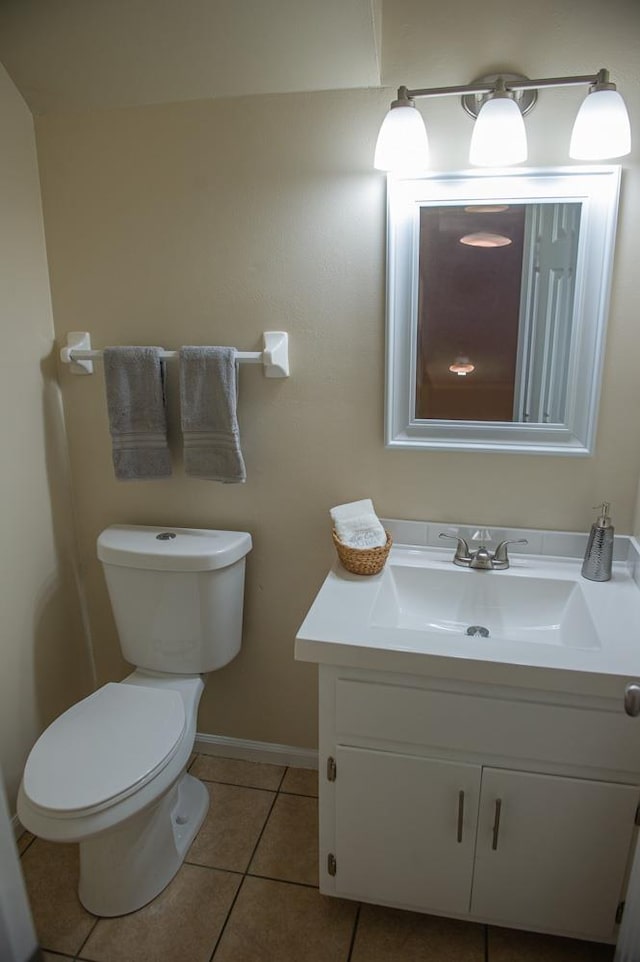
297 794
212 868
226 921
353 934
266 822
89 934
257 788
486 943
267 878
27 847
216 781
284 881
244 874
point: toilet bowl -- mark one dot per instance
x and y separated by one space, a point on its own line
110 773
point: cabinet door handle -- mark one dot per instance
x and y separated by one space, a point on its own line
632 699
496 824
460 814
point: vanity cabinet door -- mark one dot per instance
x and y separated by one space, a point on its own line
552 851
405 829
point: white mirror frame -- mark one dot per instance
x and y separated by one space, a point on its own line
597 190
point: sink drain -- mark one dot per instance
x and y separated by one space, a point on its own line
480 630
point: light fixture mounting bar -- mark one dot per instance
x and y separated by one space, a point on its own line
485 88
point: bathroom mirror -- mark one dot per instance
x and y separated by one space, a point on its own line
497 298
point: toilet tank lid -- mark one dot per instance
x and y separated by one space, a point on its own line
171 549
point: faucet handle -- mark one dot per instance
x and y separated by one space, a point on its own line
462 555
500 555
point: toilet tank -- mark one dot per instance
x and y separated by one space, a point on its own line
177 594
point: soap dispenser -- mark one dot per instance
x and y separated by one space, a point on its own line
599 554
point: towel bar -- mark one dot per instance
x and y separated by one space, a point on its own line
79 355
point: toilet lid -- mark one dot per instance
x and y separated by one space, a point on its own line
106 746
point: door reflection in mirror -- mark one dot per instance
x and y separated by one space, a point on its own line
495 311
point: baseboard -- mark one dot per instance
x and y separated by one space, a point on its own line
256 751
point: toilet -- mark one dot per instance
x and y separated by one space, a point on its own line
110 773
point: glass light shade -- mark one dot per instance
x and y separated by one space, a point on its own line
499 138
602 128
402 146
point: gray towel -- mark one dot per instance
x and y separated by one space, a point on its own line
134 379
208 394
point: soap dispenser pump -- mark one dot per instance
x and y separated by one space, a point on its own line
599 554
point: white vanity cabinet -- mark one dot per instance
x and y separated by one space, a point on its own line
499 805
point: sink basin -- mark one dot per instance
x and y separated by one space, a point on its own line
545 625
497 605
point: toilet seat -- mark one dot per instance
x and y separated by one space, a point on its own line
104 748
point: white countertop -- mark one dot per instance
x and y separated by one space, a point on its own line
339 630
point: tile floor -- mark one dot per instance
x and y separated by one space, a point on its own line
248 892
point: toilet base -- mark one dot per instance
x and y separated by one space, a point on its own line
125 867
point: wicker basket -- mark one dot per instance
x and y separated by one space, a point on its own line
362 561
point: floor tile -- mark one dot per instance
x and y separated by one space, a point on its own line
392 935
288 849
54 957
24 841
278 922
232 827
510 945
237 772
51 875
181 924
300 781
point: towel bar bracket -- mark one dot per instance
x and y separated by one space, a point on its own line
79 355
275 356
77 341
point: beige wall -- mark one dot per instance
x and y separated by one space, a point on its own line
42 653
211 221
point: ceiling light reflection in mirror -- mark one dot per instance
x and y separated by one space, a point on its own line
485 239
462 366
486 208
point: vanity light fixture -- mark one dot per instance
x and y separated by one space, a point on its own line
402 144
462 366
602 117
499 103
499 138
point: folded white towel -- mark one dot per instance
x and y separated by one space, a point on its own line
357 524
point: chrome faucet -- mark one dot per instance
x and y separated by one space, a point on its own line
481 558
